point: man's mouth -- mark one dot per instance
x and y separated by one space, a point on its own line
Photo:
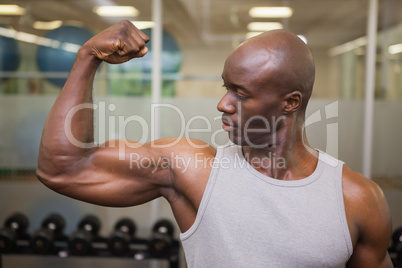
227 124
226 127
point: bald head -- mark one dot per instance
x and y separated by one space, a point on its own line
279 60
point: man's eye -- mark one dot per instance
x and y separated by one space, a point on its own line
241 97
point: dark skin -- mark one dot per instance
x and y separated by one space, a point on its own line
268 80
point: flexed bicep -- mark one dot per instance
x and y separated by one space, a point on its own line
115 175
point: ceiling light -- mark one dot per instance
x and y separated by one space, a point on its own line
39 40
116 11
263 26
252 34
395 49
143 24
47 25
6 32
338 50
270 12
26 37
11 10
303 38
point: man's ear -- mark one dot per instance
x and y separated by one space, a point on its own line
292 101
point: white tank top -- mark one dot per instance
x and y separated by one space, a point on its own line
247 219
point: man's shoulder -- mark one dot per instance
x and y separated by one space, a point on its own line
183 146
368 218
190 162
357 186
365 202
187 157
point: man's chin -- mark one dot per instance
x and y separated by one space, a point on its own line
235 139
244 142
238 140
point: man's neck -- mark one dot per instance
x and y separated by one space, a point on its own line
289 159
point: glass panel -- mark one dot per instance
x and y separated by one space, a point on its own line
387 145
198 36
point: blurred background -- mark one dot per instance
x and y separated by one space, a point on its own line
354 113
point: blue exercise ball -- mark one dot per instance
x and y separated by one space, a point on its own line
10 56
61 57
171 61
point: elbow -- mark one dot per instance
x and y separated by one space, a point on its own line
42 176
57 182
57 169
48 178
52 172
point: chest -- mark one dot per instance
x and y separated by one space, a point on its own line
287 225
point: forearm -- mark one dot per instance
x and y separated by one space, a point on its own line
68 126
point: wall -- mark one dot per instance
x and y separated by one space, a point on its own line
22 118
343 141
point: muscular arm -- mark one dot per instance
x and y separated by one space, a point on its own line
369 222
98 174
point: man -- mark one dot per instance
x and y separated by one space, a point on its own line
234 206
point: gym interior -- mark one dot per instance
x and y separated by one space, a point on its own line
354 113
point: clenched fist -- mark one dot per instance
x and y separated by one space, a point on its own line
118 43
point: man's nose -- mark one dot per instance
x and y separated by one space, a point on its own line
226 104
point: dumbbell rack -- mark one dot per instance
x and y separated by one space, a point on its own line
51 241
138 251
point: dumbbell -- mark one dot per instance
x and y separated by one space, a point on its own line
15 227
397 244
397 236
42 241
120 239
80 242
161 239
